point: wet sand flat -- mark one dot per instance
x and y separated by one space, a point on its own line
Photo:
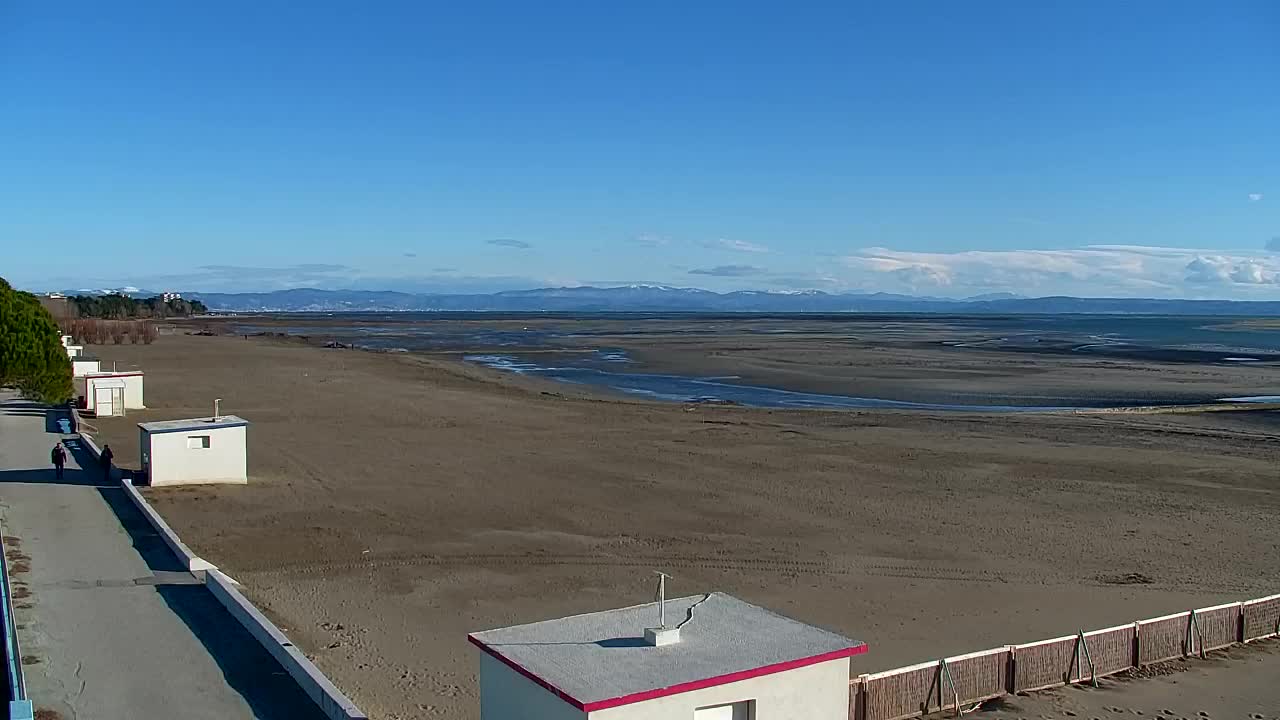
399 501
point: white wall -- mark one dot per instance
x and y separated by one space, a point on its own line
815 692
507 695
81 367
132 391
173 463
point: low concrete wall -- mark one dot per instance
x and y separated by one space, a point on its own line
330 699
188 558
192 562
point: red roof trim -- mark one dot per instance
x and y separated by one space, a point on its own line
673 689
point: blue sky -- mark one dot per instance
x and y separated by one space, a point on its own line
1089 148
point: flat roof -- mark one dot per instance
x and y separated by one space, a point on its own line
107 382
600 660
113 373
189 424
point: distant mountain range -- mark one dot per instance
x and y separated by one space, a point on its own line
662 298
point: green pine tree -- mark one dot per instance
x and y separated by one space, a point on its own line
31 354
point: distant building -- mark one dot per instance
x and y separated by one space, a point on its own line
719 659
195 451
167 296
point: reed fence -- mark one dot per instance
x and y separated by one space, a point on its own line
959 682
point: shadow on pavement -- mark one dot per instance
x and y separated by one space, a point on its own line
246 666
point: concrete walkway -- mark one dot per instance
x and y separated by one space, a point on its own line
110 625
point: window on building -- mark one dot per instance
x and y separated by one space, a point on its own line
197 442
743 710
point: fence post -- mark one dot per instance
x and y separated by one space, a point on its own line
860 707
1011 679
1240 623
1137 644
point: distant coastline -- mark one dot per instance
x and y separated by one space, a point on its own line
657 298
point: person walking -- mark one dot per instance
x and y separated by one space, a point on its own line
59 458
106 457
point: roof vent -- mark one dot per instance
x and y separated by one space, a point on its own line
662 634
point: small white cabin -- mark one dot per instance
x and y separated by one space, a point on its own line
82 365
719 658
74 351
195 451
105 397
133 397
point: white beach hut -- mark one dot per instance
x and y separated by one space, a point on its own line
719 659
133 396
105 398
72 350
83 365
195 451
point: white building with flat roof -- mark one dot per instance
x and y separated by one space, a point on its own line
132 383
195 451
726 660
105 398
82 365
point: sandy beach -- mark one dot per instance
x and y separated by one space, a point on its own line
399 501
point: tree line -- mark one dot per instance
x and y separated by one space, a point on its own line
31 354
123 307
96 331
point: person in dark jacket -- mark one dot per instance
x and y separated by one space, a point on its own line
106 457
59 458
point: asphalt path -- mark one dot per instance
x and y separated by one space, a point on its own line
111 626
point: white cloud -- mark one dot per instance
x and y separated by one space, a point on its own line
741 246
1228 270
1255 197
1122 270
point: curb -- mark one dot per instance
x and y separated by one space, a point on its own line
313 682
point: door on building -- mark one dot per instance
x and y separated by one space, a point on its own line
732 711
108 401
102 403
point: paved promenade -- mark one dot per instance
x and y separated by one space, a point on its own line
110 624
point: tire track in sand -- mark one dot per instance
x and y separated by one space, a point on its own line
680 562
